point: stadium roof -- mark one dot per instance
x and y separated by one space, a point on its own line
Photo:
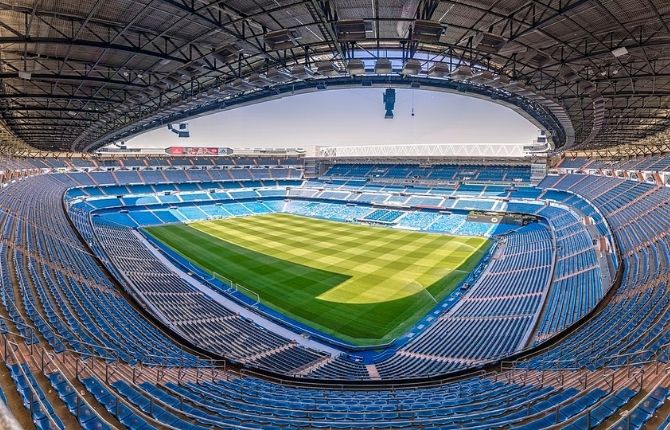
78 74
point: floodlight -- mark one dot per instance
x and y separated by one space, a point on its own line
281 39
482 77
259 80
242 85
355 67
461 73
301 72
411 67
278 76
427 31
352 30
488 42
383 66
327 68
439 70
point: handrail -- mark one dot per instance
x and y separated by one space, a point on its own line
606 380
222 366
11 347
84 365
53 362
625 418
87 362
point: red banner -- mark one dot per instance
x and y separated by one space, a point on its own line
196 150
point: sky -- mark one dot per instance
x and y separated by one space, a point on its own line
352 117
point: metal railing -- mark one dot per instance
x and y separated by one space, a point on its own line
107 371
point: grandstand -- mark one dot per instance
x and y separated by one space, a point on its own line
561 273
364 286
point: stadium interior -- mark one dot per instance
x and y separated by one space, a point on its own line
368 286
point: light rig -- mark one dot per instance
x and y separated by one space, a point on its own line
181 130
389 102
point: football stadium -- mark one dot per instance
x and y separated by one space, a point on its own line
348 283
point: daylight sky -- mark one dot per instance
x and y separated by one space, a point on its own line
352 117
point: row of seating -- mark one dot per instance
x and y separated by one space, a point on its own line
492 319
453 223
577 284
654 163
192 313
634 321
178 176
633 325
149 161
439 172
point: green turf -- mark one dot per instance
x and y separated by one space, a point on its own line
364 285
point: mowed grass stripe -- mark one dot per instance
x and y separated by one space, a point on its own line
400 279
362 284
304 240
292 233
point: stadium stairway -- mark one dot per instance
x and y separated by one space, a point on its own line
311 367
267 353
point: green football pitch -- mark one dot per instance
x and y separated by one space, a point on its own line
364 285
